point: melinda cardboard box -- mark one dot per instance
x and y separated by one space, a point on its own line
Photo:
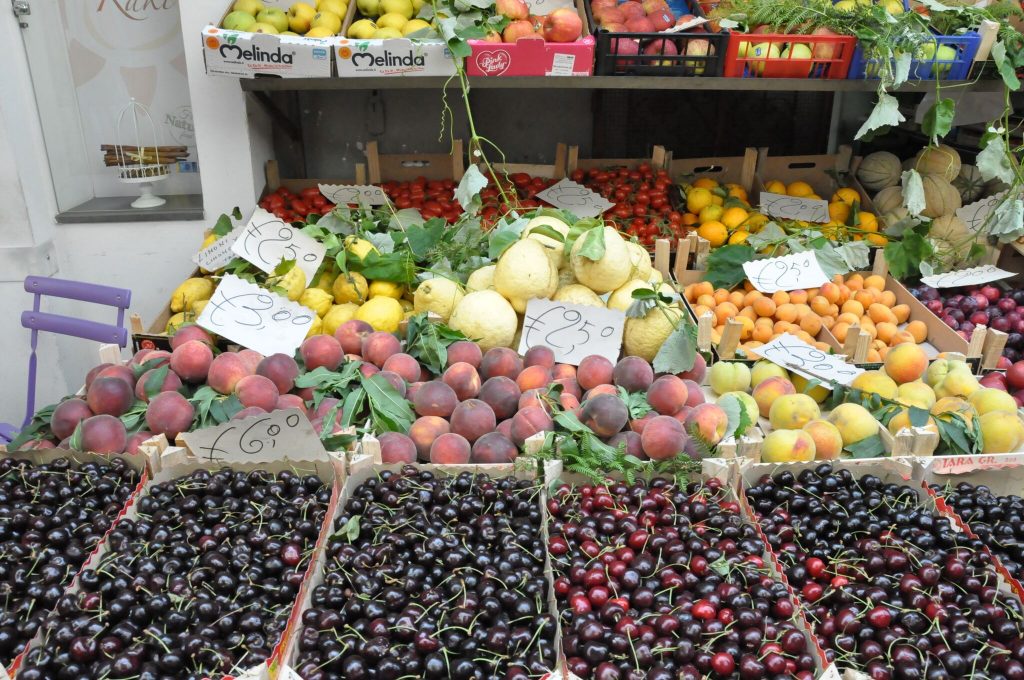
241 54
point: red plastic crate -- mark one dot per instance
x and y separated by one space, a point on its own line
834 54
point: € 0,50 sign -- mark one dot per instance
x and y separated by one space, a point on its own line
348 194
572 331
266 240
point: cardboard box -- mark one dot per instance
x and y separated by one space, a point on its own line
818 171
241 54
392 57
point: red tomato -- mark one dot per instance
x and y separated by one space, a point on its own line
299 207
310 193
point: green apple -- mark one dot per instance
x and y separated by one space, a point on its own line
796 51
403 7
260 27
729 376
238 21
386 33
300 16
339 7
362 29
369 8
759 51
326 20
250 7
274 16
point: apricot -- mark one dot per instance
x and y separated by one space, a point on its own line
529 422
493 448
188 333
473 419
225 372
424 431
1002 432
404 365
770 389
502 395
286 401
631 443
534 377
169 413
786 446
876 382
465 351
633 374
251 359
594 370
110 396
500 361
990 399
697 371
106 434
906 363
394 380
463 379
792 411
667 394
170 383
539 356
351 334
450 449
67 415
121 372
765 369
378 346
710 420
435 398
281 369
396 447
604 414
321 350
854 423
663 437
828 443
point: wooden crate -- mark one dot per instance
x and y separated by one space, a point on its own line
274 180
405 167
816 170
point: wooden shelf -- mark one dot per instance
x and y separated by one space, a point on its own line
598 83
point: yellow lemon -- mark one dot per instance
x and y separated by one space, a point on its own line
293 283
799 188
698 199
386 289
738 237
175 322
338 315
316 299
197 307
358 246
316 328
711 213
775 187
351 287
325 280
189 291
733 217
383 313
755 222
438 295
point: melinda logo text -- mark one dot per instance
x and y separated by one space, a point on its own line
256 54
388 59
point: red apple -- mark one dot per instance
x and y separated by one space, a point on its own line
763 28
513 9
625 47
632 9
612 15
1015 376
996 380
563 25
1003 364
661 20
1018 396
518 29
492 37
654 6
823 50
640 25
616 28
663 48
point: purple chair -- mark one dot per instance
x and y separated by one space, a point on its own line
37 321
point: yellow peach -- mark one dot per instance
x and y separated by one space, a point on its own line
828 443
793 411
854 423
786 446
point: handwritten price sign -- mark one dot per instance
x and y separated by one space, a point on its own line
218 253
793 208
793 353
263 439
967 277
975 214
576 198
572 331
789 272
255 318
266 240
348 194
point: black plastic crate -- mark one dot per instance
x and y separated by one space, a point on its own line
687 54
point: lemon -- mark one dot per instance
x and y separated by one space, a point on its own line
622 298
315 328
293 283
350 287
481 279
486 317
800 189
566 277
407 305
738 237
438 295
609 272
175 322
775 187
325 281
337 315
318 300
386 289
524 271
698 199
711 213
358 246
383 313
392 20
190 290
644 337
655 276
577 294
554 248
197 307
640 259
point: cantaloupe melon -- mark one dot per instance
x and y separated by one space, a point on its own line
879 170
940 197
969 183
888 199
951 239
940 160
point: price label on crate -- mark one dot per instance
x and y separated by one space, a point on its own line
975 214
544 7
218 253
788 272
266 240
576 198
967 277
572 331
793 353
793 208
347 194
256 318
264 438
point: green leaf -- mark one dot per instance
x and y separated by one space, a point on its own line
389 410
1006 222
831 261
580 228
1005 66
913 192
398 266
856 254
460 48
720 566
901 68
869 447
938 119
351 528
155 381
569 422
224 225
283 267
885 113
735 412
636 403
679 351
423 238
993 162
770 233
428 342
468 191
593 244
75 440
504 235
918 416
37 428
352 406
725 265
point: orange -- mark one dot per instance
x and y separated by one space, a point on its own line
867 221
799 188
734 217
917 330
764 307
839 212
875 281
775 187
689 219
710 213
846 195
736 191
739 237
714 232
877 240
705 183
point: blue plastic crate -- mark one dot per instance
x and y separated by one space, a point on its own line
966 46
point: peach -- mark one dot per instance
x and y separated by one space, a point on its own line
563 372
729 376
500 361
326 404
631 443
286 401
505 427
157 358
394 380
854 423
435 398
638 424
667 394
281 369
696 373
368 369
257 390
106 434
149 382
396 447
351 334
818 393
502 395
1001 432
569 386
534 377
122 372
569 402
785 446
876 382
793 411
906 362
917 394
594 370
494 447
990 399
136 440
251 358
94 373
321 350
412 389
225 372
600 389
473 419
532 398
450 449
663 437
424 431
169 413
463 379
694 394
378 346
110 396
66 417
682 414
709 420
188 333
465 351
604 414
529 422
191 361
633 374
539 356
770 389
250 411
828 443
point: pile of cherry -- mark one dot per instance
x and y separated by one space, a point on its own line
997 520
52 516
200 583
662 583
432 577
891 587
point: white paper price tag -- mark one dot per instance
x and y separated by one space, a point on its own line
793 208
347 194
576 198
788 272
218 253
572 331
544 7
264 438
288 674
266 240
256 318
793 353
967 277
974 215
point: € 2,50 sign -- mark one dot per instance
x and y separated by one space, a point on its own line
572 331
